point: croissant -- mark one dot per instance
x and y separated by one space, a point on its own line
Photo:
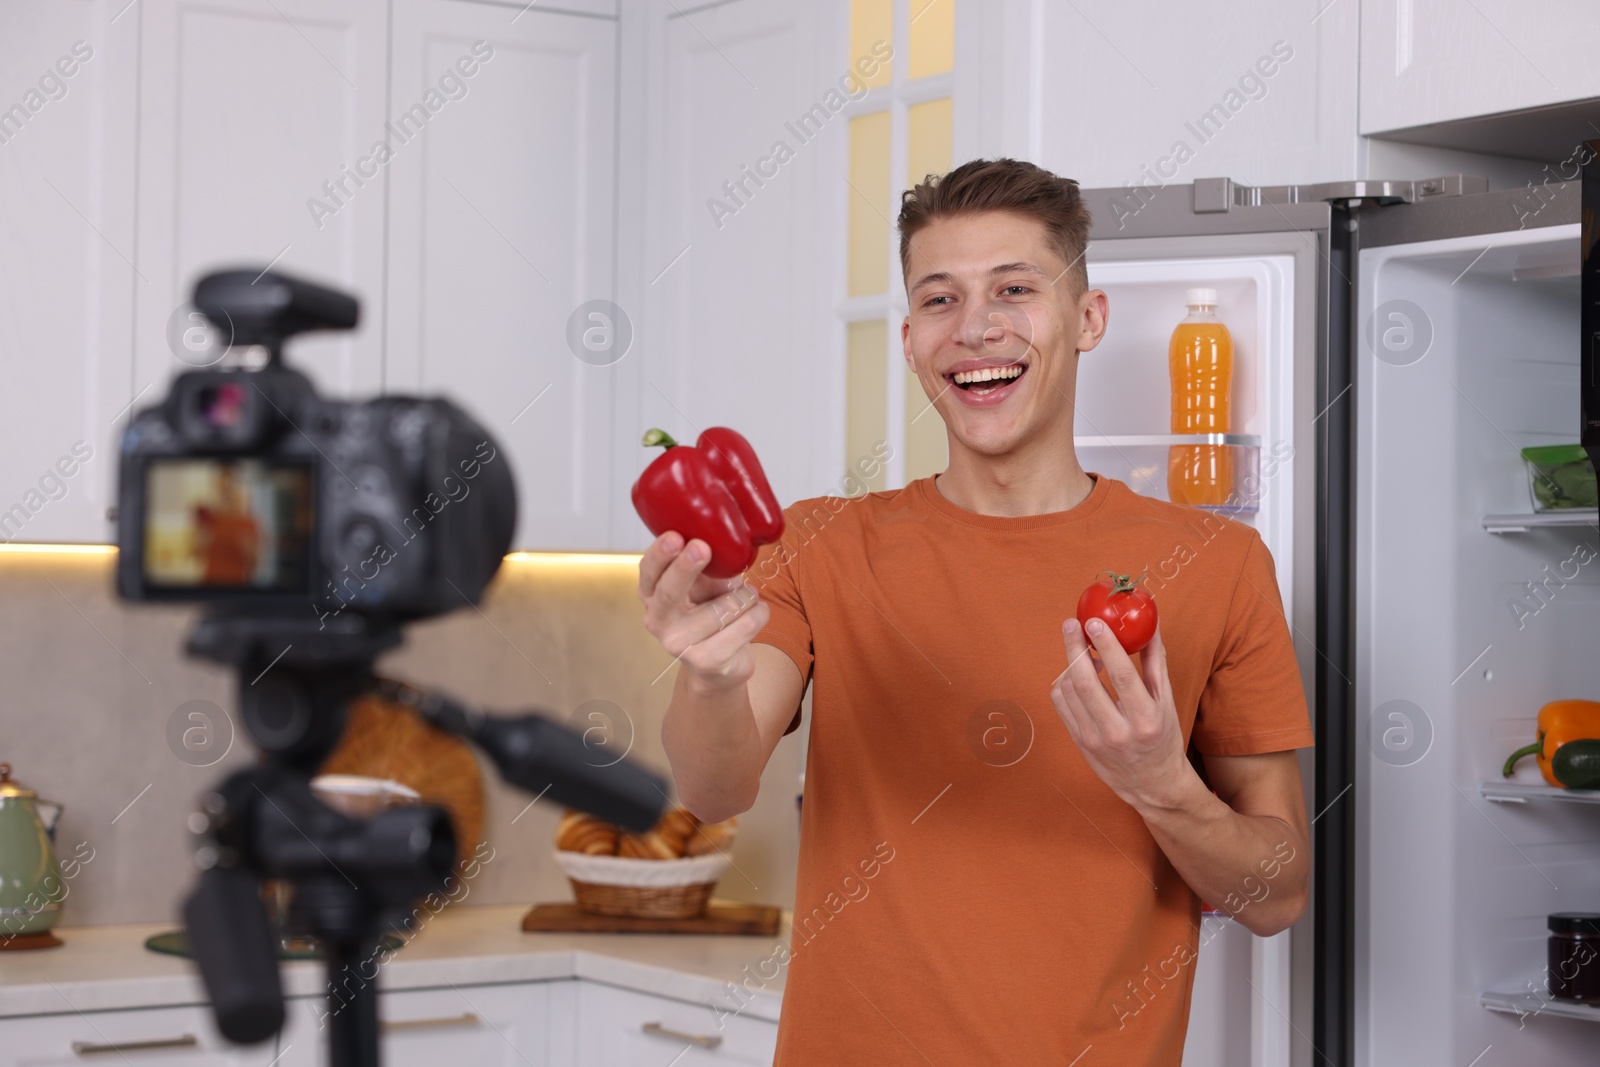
579 832
650 845
676 827
673 836
712 837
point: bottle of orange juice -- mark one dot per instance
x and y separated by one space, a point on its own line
1200 359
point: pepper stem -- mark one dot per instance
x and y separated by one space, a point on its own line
1526 750
653 437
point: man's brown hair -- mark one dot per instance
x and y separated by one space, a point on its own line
1002 185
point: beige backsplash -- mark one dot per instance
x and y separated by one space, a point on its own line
90 685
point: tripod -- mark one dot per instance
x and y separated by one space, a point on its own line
352 878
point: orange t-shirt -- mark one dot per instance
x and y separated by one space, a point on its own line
969 890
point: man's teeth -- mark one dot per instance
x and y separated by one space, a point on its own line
988 374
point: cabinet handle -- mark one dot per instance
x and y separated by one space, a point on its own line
704 1041
468 1019
91 1048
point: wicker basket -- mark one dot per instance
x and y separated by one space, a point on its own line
645 902
651 889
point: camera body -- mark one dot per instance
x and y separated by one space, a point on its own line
246 489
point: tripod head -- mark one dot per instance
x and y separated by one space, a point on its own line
352 878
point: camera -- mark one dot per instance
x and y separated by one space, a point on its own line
245 488
314 529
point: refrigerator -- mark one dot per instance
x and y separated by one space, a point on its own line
1396 343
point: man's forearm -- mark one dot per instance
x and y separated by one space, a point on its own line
1254 867
711 740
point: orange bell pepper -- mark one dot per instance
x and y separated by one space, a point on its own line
1573 725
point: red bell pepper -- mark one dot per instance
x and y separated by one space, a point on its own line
714 491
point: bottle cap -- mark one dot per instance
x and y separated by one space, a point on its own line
1575 922
1202 298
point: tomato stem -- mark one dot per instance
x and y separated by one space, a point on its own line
1122 583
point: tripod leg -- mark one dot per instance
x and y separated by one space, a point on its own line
233 947
353 1022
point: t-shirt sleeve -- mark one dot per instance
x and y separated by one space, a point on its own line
773 575
1254 700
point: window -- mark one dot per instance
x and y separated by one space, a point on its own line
900 132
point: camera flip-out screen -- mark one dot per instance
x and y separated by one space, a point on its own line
239 525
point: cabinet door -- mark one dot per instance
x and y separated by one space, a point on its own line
68 260
1252 89
254 119
469 1025
500 228
622 1028
1425 61
737 311
181 1037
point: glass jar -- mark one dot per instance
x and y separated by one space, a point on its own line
1574 956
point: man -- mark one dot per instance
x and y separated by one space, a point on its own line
227 534
1002 855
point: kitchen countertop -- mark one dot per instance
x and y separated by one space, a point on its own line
102 968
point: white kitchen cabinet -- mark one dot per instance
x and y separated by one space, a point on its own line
1428 61
623 1028
181 1036
481 1026
1257 90
564 1023
68 258
501 226
502 1025
247 132
253 116
735 309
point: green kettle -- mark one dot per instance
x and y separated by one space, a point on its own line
31 886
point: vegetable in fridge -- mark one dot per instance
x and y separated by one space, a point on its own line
1568 745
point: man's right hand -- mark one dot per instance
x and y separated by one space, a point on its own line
732 699
704 623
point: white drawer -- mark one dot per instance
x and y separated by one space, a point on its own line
183 1037
622 1028
462 1026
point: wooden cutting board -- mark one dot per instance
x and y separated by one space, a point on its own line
720 918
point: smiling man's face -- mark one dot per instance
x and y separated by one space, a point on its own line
995 328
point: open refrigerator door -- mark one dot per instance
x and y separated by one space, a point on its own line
1471 611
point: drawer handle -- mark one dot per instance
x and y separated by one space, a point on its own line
468 1019
704 1041
91 1048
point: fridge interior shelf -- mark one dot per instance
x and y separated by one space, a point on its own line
1140 460
1523 522
1533 1004
1522 792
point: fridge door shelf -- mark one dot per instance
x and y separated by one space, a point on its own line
1522 792
1140 460
1523 522
1532 1004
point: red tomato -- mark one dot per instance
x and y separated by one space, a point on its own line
1124 606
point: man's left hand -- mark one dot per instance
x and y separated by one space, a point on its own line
1133 741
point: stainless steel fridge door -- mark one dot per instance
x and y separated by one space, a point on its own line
1267 1019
